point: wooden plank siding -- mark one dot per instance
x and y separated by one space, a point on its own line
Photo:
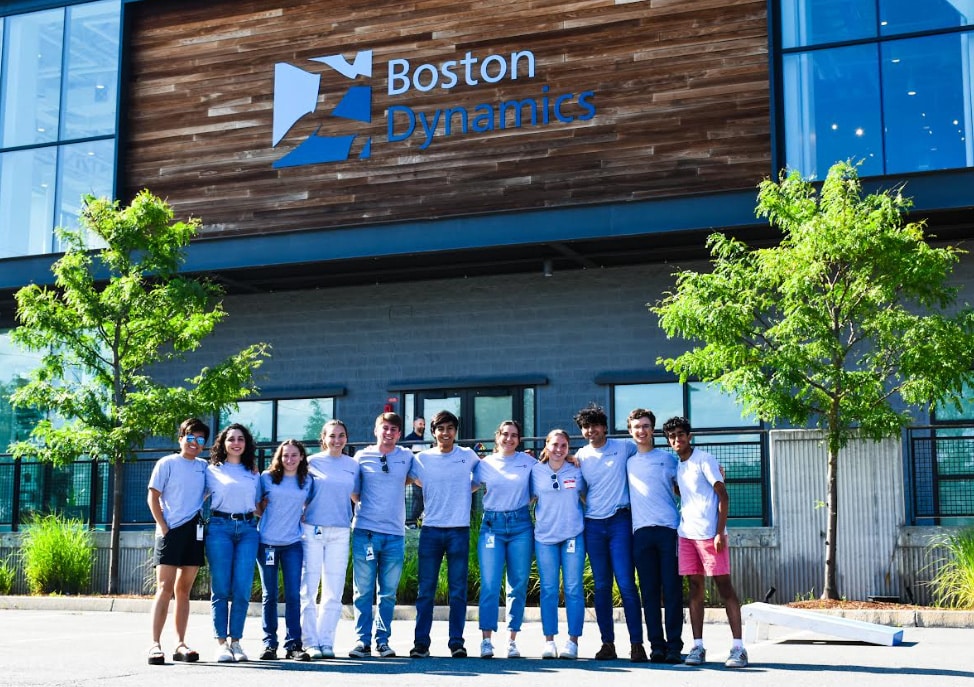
680 88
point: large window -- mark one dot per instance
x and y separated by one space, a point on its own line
58 107
887 82
273 421
719 427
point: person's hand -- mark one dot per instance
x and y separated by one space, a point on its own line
720 542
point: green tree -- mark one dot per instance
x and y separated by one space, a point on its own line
112 317
851 310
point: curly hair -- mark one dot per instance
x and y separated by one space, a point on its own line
276 470
218 452
591 416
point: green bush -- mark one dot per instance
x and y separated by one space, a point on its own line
7 577
58 555
953 583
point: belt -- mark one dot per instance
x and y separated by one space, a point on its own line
232 516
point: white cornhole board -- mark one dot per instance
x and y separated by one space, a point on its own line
758 616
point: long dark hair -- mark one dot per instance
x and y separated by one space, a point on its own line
276 469
218 453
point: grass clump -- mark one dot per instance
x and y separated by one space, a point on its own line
953 583
58 555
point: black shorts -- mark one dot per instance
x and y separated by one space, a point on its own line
180 547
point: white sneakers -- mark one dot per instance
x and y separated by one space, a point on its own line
570 650
315 653
512 651
550 650
486 649
238 653
224 654
327 651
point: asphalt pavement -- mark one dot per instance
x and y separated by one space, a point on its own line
57 647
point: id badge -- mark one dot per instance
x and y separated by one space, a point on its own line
318 533
269 555
199 531
490 541
570 548
369 553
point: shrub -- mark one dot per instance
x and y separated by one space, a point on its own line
58 555
7 576
953 583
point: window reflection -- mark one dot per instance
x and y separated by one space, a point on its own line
810 22
83 168
905 16
27 182
832 109
302 418
92 67
32 78
927 103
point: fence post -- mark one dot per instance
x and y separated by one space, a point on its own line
93 490
15 505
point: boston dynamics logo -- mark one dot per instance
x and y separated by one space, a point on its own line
296 95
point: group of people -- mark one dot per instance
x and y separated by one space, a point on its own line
629 506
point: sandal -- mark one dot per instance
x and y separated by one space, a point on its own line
156 655
184 653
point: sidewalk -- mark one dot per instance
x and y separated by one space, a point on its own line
54 645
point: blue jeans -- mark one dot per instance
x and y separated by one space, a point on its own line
381 569
289 559
434 544
511 536
609 546
654 550
231 552
552 560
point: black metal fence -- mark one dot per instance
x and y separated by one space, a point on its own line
83 489
940 464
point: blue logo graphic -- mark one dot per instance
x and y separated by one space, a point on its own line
296 95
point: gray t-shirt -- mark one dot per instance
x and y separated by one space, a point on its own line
181 483
558 515
652 476
280 524
331 493
232 487
382 495
507 481
446 479
605 474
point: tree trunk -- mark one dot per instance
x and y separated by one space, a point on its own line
113 561
831 589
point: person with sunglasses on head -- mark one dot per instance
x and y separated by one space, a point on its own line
379 534
445 473
506 534
175 497
285 489
232 483
326 537
559 488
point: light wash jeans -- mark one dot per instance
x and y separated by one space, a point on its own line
377 576
231 552
555 561
325 561
506 539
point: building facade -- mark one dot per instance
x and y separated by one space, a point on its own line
469 205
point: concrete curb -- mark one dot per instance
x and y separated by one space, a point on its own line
908 617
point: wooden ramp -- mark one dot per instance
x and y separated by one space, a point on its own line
758 616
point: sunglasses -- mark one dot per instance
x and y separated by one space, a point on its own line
190 438
385 463
554 482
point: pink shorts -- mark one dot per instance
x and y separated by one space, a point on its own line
698 557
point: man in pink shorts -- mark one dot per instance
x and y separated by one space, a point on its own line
703 538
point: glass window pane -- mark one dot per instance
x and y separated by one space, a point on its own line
529 412
927 103
15 365
27 201
832 110
711 407
947 412
92 70
811 22
84 168
664 399
905 16
488 413
303 418
257 416
32 78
